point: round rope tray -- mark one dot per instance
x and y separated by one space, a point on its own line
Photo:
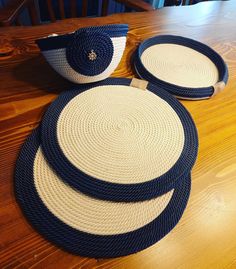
184 67
119 140
86 226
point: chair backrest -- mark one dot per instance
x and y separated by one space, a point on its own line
56 9
61 5
10 13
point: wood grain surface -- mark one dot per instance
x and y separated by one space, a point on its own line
206 235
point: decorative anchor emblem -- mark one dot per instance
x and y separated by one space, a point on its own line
92 55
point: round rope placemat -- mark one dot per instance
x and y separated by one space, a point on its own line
184 67
119 142
86 226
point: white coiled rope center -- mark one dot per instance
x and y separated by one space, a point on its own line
120 134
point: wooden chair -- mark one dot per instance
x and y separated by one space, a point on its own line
9 15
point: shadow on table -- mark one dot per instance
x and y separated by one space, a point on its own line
38 73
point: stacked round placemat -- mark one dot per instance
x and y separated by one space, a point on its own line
107 172
184 67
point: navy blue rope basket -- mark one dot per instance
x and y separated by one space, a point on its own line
82 243
98 187
86 55
185 92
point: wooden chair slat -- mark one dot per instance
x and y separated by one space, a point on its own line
84 8
51 11
11 11
62 9
105 4
18 21
73 7
33 13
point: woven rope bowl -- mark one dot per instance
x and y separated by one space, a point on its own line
116 141
87 55
186 68
86 226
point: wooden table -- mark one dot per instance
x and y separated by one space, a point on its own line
206 235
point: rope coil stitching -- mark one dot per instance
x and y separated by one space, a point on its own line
31 170
119 143
61 41
86 55
81 49
146 69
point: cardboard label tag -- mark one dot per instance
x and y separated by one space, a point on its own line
218 87
139 83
